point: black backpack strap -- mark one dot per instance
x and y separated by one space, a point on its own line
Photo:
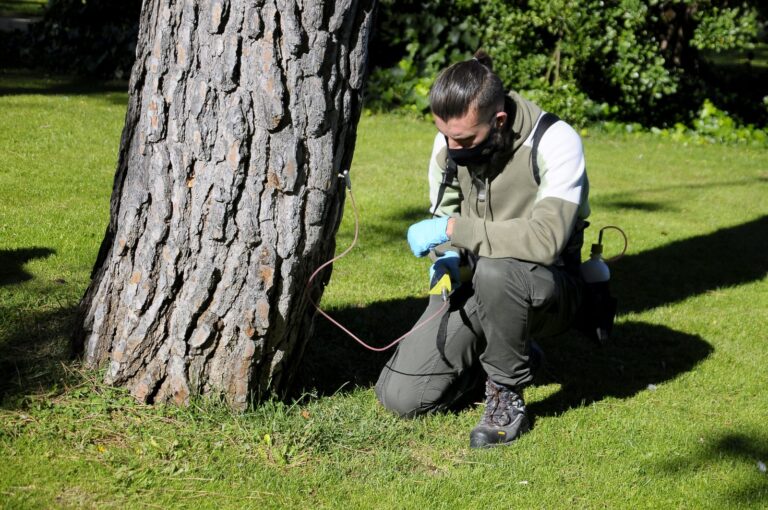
545 122
449 174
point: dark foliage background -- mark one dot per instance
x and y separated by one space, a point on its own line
643 61
634 61
85 37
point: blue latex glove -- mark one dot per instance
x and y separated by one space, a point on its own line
426 234
448 263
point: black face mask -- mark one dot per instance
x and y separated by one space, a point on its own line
480 154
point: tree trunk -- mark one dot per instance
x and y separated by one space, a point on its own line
226 195
678 23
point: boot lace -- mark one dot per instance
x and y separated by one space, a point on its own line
502 405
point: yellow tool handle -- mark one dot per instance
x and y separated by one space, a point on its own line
442 287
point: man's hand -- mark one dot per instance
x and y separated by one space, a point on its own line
448 263
426 234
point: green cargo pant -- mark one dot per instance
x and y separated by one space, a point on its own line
489 330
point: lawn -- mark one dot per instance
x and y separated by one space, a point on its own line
671 415
22 7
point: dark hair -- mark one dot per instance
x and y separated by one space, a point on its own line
471 83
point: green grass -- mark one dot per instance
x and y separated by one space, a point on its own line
22 7
671 416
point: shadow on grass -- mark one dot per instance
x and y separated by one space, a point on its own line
627 200
33 351
33 344
25 82
681 269
12 263
731 448
636 205
642 355
645 354
604 199
334 362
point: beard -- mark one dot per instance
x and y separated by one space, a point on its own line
502 140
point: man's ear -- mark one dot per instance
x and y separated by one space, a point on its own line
501 119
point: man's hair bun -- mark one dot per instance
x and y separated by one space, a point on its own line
484 59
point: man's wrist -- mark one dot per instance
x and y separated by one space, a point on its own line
449 227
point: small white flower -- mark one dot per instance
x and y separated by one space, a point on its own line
761 466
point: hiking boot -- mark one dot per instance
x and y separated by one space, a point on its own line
504 419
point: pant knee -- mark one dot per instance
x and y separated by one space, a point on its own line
501 279
397 401
405 400
488 270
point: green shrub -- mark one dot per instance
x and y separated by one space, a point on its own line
711 125
586 60
568 102
625 60
722 29
425 36
715 125
85 37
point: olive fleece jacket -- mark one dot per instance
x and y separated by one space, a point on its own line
507 213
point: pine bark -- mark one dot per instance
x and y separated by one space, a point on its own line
226 195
